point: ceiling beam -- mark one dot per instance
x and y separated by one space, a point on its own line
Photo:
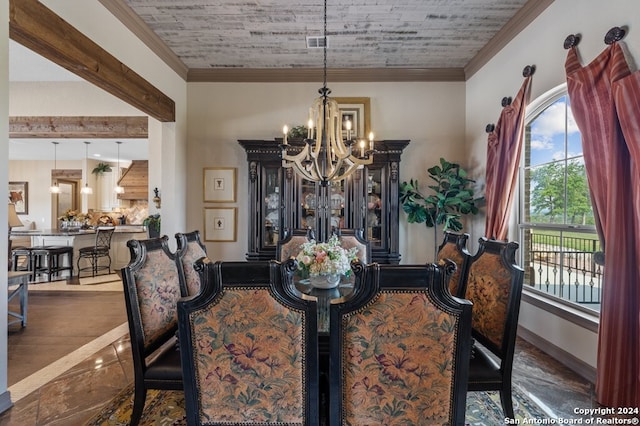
41 30
79 127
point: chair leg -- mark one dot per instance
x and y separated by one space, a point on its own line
94 265
507 402
139 397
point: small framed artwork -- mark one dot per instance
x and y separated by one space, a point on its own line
219 184
220 223
356 110
19 195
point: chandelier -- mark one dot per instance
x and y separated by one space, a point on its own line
325 157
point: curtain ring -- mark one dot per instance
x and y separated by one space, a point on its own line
528 70
572 40
614 34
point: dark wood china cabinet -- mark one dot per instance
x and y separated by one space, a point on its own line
279 199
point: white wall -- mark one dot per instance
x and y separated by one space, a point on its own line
429 114
541 43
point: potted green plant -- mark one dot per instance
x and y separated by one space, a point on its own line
451 199
152 223
101 168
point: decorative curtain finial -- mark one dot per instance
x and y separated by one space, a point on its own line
528 71
572 40
506 101
490 128
614 34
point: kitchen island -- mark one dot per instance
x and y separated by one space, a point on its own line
119 252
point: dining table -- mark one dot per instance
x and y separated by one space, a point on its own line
325 297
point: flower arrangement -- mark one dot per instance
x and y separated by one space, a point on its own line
325 258
72 216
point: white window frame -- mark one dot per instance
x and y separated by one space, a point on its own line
574 312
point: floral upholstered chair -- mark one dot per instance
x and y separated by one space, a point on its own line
152 290
293 240
190 249
399 349
350 238
454 247
494 286
249 350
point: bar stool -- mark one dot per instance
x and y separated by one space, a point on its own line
94 253
22 252
50 260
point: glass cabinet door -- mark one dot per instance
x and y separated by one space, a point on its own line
322 208
272 207
374 217
309 198
336 204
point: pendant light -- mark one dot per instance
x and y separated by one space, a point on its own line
118 189
55 189
86 189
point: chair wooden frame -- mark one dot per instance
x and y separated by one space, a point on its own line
374 280
485 373
289 235
156 362
454 247
358 235
187 254
216 279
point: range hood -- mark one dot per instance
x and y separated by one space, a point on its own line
135 181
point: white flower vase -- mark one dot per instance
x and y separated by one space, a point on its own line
325 281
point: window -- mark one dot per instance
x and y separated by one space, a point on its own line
556 221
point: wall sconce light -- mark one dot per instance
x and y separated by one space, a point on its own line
156 198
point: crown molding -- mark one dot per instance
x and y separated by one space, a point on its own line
529 12
137 26
300 75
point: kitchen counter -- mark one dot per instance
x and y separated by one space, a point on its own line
71 233
119 251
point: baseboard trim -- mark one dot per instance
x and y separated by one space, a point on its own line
5 401
565 358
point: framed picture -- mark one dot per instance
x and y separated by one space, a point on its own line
19 195
219 184
220 223
357 110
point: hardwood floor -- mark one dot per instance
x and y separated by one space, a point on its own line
70 390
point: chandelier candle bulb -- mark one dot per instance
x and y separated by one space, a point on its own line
348 125
362 148
285 130
310 127
371 141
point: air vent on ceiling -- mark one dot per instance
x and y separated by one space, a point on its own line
316 42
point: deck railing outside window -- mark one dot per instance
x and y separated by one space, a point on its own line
565 267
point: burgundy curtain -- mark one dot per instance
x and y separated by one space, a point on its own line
503 157
615 191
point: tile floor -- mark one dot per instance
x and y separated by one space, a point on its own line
70 390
